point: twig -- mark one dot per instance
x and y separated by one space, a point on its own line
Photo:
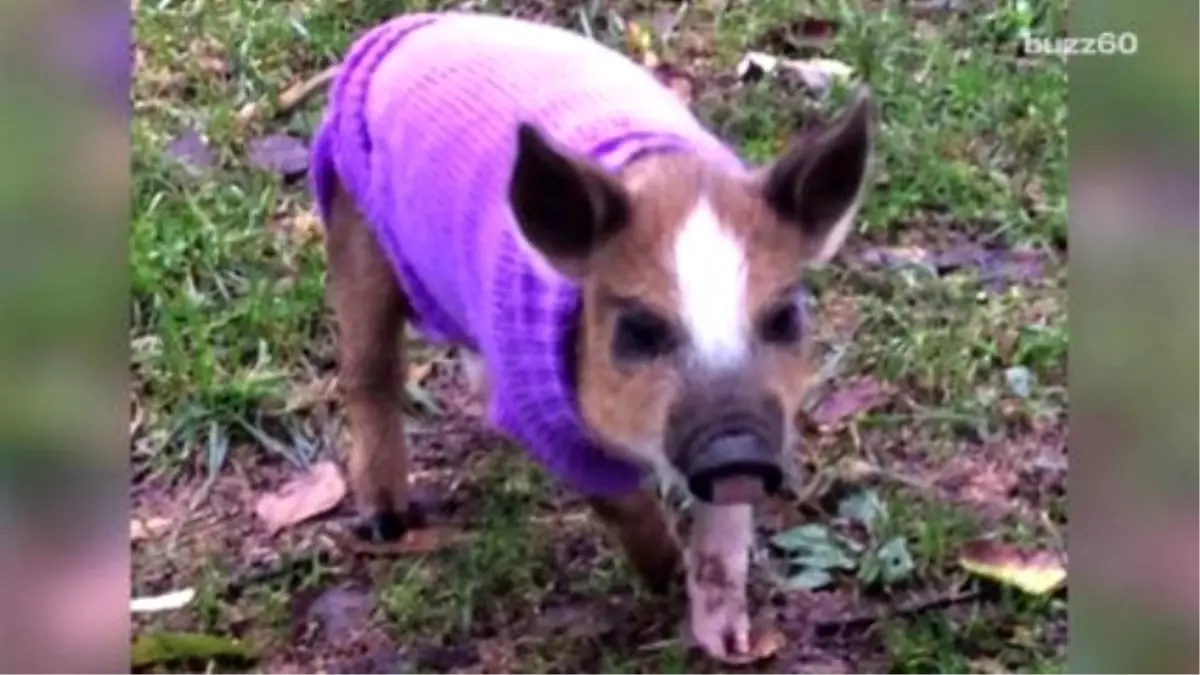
291 97
301 91
910 608
264 572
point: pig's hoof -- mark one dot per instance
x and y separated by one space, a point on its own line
664 580
386 527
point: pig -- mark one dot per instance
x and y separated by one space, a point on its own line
628 287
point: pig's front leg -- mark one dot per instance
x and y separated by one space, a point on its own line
718 563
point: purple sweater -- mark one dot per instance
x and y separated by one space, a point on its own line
421 131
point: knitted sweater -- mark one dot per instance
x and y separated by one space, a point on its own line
421 131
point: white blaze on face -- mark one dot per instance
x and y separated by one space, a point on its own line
710 275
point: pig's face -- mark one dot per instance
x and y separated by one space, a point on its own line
693 335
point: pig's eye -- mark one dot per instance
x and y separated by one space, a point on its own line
640 335
781 324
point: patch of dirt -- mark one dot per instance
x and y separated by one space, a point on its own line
333 625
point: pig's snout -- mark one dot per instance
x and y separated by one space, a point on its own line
734 467
726 438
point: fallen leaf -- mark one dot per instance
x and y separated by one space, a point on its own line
314 492
765 642
995 267
768 643
856 396
1019 266
1037 572
311 394
162 603
302 90
962 255
280 153
190 150
164 647
899 257
147 528
575 621
818 75
341 611
308 225
302 227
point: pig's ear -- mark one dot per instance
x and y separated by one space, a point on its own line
565 206
817 184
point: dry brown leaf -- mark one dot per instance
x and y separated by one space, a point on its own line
311 394
307 226
765 642
148 528
1033 571
768 643
341 611
853 397
308 495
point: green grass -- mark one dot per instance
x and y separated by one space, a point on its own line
229 323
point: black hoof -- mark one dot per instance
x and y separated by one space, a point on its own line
666 586
388 526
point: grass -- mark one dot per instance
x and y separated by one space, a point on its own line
231 338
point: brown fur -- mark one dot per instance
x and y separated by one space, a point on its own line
370 310
640 525
628 406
